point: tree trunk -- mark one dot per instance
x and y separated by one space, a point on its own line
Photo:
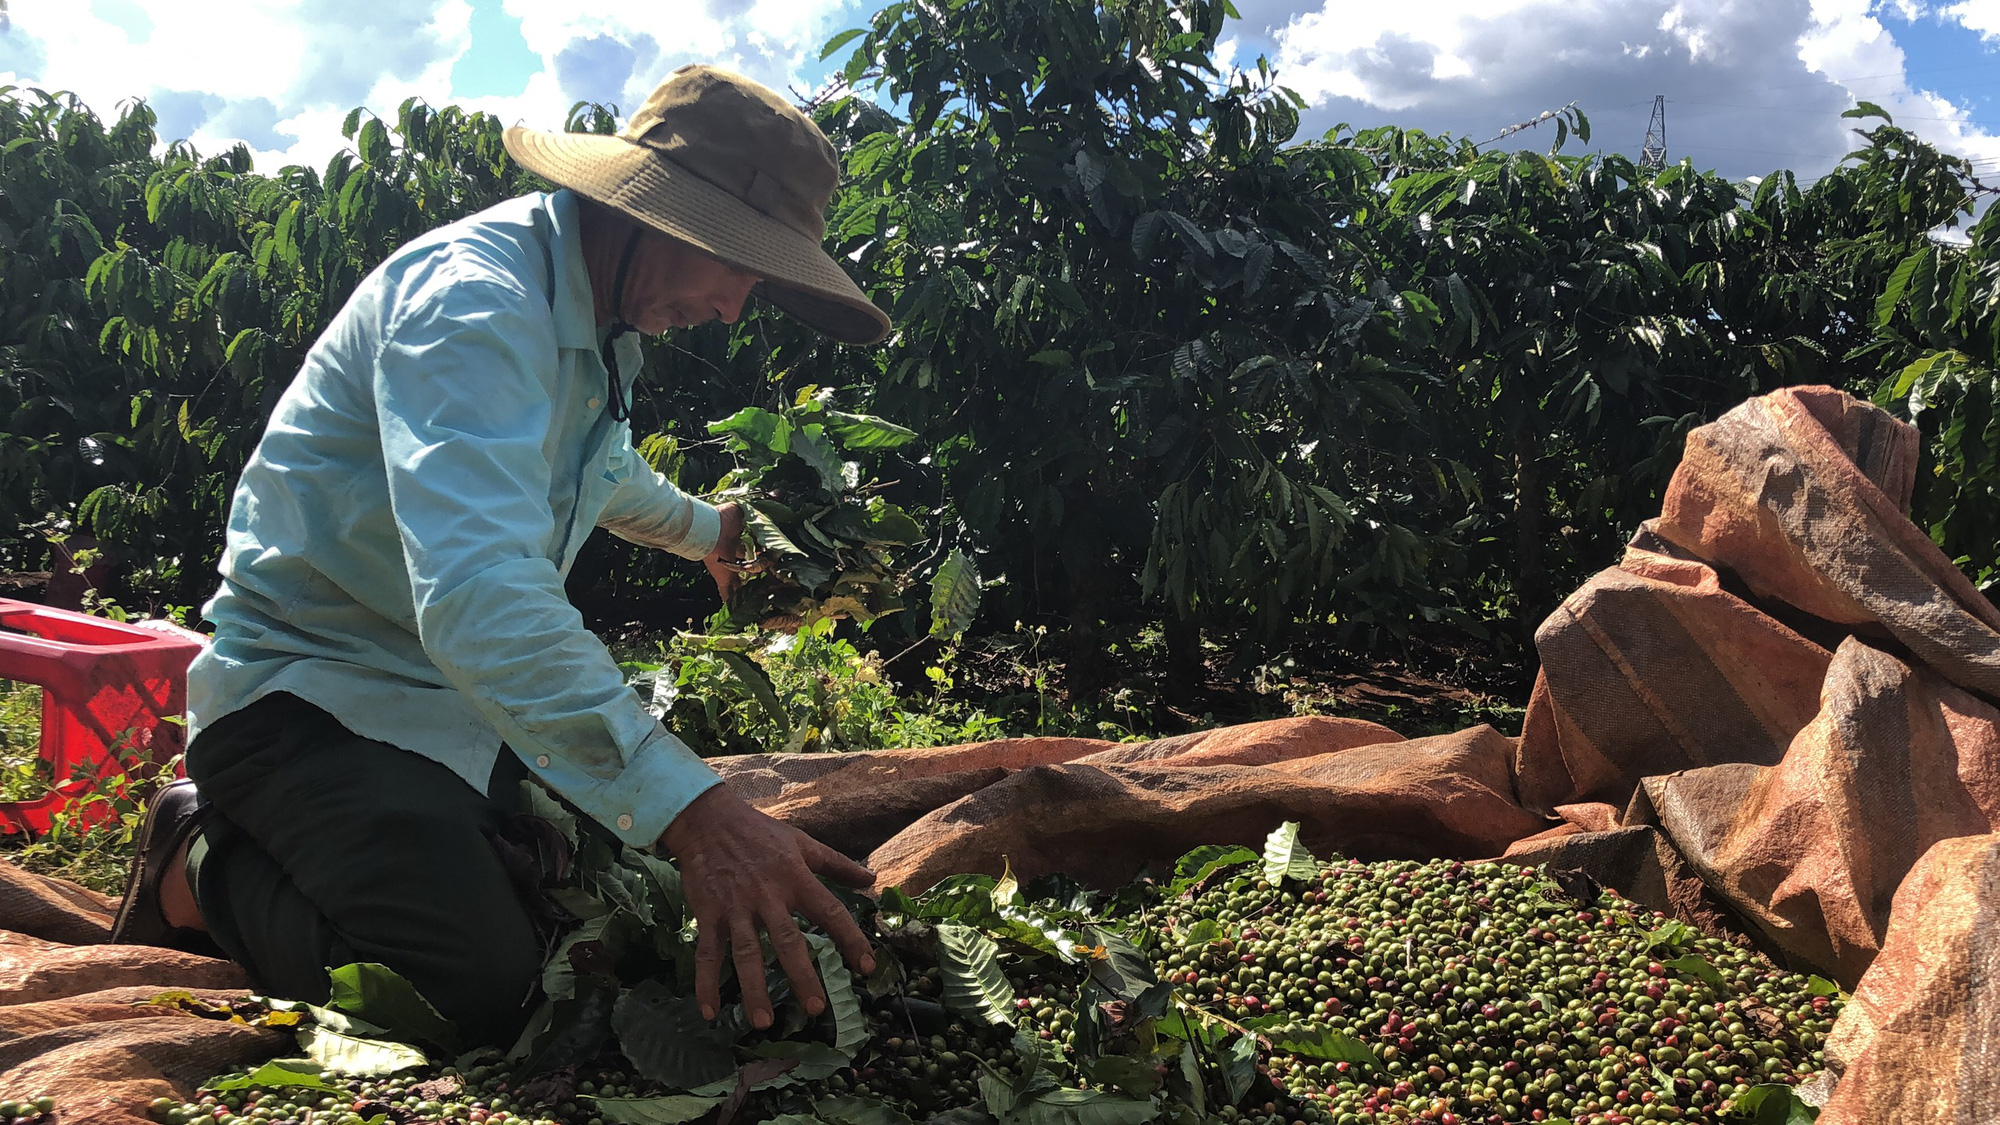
1085 670
1531 578
1185 674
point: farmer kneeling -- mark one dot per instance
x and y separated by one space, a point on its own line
393 652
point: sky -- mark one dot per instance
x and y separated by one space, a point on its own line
1750 85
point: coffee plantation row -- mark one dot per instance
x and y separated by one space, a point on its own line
1270 989
1380 379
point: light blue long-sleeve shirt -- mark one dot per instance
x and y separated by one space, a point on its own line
398 541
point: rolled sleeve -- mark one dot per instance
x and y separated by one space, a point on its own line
464 389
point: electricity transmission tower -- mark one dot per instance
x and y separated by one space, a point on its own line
1653 156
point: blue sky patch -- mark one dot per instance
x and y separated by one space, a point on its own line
1944 58
597 69
181 112
499 62
125 15
20 53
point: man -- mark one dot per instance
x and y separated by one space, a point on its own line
393 651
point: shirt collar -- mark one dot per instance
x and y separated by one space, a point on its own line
576 312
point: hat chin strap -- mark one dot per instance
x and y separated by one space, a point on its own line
614 392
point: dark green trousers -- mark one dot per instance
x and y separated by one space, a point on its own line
326 848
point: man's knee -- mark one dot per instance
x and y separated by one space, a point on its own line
487 988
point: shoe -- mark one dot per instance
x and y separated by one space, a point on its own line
174 814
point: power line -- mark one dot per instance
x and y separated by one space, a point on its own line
1978 165
1530 123
1967 120
1756 151
1903 74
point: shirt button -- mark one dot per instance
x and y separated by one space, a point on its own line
542 761
625 823
594 402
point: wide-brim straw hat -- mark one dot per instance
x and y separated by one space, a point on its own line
728 166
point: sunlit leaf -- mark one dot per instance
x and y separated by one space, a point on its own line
274 1075
850 1024
339 1053
1196 866
381 996
954 596
1285 857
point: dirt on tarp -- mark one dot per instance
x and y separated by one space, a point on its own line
1775 719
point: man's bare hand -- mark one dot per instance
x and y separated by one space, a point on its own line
725 562
743 873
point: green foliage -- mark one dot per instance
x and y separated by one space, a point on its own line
1942 306
68 184
1773 1103
954 596
1320 1043
850 1027
666 1039
825 537
1379 379
1083 222
23 775
1697 966
671 1109
974 985
1196 866
161 303
90 838
813 690
278 1074
341 1052
1171 367
380 996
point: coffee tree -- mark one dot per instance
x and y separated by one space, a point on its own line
1168 364
229 276
1134 326
1935 325
68 183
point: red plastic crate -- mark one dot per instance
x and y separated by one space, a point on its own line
104 685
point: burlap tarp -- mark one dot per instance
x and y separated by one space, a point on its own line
1916 1043
1775 718
73 1019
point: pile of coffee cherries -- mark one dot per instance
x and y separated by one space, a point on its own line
1485 993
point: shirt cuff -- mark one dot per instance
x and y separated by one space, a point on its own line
661 780
704 528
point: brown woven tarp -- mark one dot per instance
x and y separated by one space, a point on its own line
1780 702
1916 1043
73 1019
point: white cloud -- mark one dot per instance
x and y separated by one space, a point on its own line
266 72
773 41
1750 86
1847 40
1982 16
281 74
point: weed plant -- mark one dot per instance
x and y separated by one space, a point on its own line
22 775
89 841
